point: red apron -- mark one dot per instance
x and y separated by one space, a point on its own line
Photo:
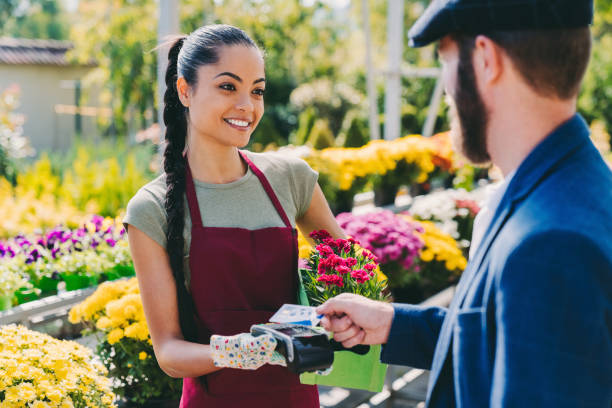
240 277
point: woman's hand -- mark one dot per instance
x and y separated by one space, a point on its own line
244 351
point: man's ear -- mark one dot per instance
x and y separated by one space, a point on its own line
183 91
488 61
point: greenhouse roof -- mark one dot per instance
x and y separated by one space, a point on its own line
20 51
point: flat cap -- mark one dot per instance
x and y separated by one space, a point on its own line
444 17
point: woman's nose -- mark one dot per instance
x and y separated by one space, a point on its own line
244 103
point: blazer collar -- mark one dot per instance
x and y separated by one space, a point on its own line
545 157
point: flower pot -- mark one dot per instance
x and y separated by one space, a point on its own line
152 403
343 202
351 370
74 282
6 302
25 295
385 195
109 275
47 286
124 270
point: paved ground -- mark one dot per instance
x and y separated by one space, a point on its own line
409 391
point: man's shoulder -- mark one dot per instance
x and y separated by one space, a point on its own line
574 201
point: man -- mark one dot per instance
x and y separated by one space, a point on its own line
531 320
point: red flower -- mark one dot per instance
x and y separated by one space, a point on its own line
343 269
322 268
319 235
360 275
331 280
324 250
350 262
369 267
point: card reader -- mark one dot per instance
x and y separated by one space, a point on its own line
305 348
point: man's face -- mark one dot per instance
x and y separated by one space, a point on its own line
468 114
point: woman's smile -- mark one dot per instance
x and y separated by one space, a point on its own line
239 124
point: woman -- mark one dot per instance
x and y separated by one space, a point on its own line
226 257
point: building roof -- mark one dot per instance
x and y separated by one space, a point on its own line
20 51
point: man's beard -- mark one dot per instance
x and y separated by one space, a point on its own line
468 114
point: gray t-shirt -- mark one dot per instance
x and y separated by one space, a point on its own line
242 203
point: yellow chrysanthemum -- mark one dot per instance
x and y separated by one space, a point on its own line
114 336
41 371
142 355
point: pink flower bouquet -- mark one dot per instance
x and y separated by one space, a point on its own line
341 266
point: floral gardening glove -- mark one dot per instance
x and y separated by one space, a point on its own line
277 359
243 351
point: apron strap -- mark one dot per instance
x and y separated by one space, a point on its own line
192 199
269 190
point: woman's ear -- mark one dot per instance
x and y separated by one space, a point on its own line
182 89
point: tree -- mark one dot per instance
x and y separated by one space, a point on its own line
41 19
121 37
595 101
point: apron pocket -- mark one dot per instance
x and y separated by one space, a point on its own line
231 381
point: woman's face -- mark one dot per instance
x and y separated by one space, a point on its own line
227 103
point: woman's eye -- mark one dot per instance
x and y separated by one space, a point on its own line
259 91
227 87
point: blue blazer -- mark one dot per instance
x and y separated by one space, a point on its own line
531 320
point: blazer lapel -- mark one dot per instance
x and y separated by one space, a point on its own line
503 212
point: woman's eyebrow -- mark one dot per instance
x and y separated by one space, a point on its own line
237 78
229 74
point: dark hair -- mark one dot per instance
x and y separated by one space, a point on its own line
186 55
552 61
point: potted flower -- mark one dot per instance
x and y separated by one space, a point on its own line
115 315
441 262
418 257
395 242
37 370
12 280
453 211
342 266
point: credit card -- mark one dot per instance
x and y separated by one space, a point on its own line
296 314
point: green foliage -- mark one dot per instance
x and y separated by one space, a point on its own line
7 8
93 179
120 36
14 147
355 132
330 100
595 101
139 381
321 135
265 135
42 19
306 121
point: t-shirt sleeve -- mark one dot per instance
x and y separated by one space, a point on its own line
145 212
304 180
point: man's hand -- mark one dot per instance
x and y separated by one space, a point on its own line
357 320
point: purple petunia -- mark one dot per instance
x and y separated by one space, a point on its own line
389 237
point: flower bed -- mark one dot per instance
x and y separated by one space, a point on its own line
115 314
383 165
39 371
453 212
33 266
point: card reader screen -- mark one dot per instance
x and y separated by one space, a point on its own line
293 331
